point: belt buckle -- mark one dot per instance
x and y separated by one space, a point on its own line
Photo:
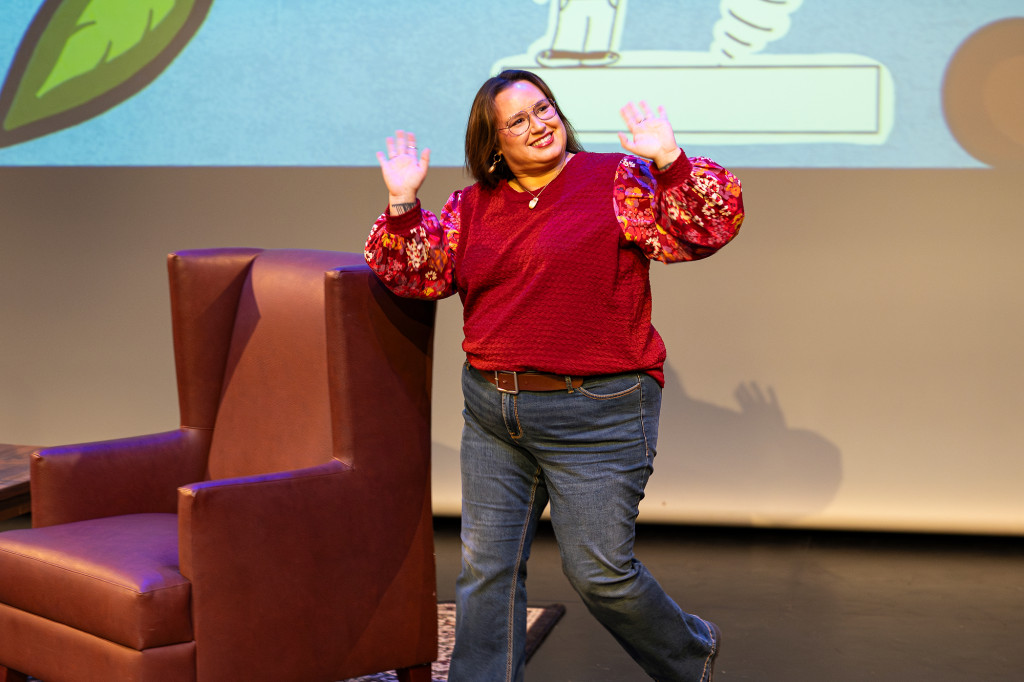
515 382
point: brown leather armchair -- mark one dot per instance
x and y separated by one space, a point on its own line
282 533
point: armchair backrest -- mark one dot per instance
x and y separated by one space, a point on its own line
266 361
275 404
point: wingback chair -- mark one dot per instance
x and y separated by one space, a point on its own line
282 533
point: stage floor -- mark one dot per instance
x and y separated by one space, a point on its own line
798 606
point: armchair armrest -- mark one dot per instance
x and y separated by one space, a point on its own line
110 478
328 577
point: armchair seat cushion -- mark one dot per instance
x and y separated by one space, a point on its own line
116 577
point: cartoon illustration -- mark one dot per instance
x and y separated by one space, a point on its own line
983 93
80 58
65 63
760 98
583 33
746 26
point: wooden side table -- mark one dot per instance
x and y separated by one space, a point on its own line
14 487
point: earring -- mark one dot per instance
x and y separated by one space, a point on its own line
494 162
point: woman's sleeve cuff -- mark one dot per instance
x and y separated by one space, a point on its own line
402 225
676 174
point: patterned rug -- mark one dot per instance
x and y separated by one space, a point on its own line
539 621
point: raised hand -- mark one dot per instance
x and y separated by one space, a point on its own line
652 135
402 168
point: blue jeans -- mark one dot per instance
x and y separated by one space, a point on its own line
588 452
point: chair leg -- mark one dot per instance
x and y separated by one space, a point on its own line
8 675
418 673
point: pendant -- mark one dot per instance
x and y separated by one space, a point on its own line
533 202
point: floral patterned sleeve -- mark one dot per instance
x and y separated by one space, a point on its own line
685 212
414 253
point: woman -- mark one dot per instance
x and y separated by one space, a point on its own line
549 251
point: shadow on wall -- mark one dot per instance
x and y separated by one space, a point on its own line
745 464
716 464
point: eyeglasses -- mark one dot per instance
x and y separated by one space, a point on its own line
544 110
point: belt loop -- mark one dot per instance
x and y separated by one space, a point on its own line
568 383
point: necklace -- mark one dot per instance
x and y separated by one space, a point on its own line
536 197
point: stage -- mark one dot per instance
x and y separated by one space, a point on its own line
797 605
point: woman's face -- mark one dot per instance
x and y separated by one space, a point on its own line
542 146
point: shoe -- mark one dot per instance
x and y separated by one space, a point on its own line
716 645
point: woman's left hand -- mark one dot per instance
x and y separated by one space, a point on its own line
652 135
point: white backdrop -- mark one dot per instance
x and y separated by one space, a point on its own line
881 309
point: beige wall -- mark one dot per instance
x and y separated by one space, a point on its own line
853 360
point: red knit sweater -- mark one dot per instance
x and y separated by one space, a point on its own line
562 287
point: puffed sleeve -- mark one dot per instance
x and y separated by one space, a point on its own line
414 253
686 212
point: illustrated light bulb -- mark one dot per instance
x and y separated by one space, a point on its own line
747 26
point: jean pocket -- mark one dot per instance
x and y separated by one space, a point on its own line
610 387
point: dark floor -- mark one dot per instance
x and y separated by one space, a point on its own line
798 605
802 605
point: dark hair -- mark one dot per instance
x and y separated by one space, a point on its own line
482 128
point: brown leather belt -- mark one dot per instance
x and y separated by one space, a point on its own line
513 382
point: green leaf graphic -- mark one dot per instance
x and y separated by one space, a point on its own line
82 57
106 30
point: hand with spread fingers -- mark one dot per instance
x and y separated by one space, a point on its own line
652 135
403 168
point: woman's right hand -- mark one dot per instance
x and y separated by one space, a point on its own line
403 170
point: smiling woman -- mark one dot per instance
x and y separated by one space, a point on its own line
486 139
519 123
533 147
563 377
